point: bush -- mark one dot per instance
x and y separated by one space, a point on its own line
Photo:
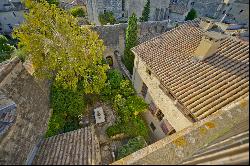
5 49
67 106
4 57
20 54
56 124
78 12
107 17
132 146
114 130
121 94
191 15
68 101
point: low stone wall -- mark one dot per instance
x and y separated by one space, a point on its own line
181 145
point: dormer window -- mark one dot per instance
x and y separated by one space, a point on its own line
241 11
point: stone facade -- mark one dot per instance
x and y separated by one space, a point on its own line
32 113
163 102
11 15
237 12
176 148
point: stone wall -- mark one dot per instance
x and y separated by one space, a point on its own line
32 113
175 148
158 9
122 9
114 35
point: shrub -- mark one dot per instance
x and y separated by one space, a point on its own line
107 17
126 88
5 49
133 145
192 14
114 130
56 124
20 54
115 78
78 12
67 106
68 101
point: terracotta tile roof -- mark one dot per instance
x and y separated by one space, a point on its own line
79 147
202 87
178 8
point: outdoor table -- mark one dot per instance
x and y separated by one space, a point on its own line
99 115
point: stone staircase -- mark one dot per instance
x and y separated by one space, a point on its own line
79 147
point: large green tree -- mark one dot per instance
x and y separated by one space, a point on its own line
131 41
192 14
145 12
60 49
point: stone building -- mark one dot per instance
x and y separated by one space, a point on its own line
122 9
236 12
188 74
24 113
220 139
11 15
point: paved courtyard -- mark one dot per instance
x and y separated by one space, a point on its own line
107 145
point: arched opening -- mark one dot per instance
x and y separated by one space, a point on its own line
110 61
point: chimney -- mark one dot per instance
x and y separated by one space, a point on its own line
205 24
209 44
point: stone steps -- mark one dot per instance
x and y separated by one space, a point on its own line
79 147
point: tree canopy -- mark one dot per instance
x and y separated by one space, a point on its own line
60 49
145 12
192 14
131 41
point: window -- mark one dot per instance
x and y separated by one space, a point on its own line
192 3
123 5
241 11
160 115
153 109
144 90
167 127
148 71
104 11
152 126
